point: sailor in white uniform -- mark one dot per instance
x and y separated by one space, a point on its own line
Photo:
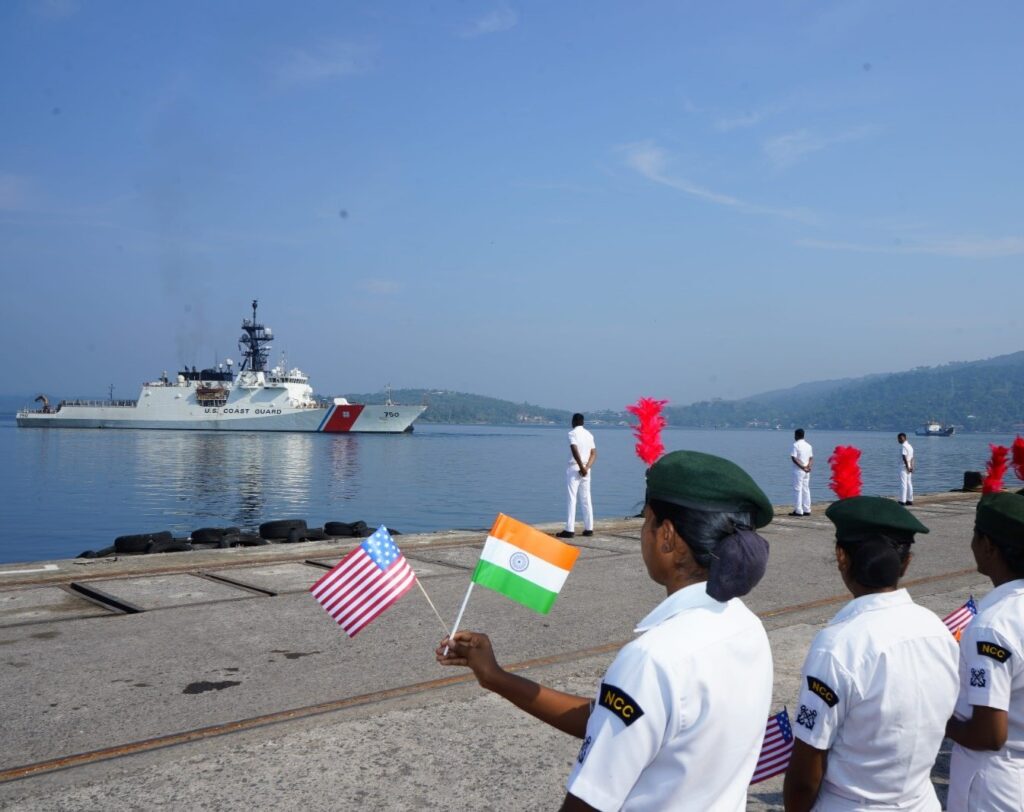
987 768
578 478
802 455
878 681
906 470
678 719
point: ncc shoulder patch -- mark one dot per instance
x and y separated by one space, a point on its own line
620 703
995 652
822 691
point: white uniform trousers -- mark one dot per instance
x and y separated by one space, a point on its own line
906 485
989 781
828 801
576 484
802 490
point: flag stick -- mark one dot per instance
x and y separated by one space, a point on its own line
462 611
425 595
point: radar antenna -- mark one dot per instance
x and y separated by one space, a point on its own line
254 343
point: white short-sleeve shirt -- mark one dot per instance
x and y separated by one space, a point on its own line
680 715
992 659
907 452
877 687
802 450
584 442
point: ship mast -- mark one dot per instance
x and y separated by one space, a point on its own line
254 343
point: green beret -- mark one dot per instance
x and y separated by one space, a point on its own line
871 514
1001 516
706 482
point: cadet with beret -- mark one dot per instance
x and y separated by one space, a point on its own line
678 719
878 681
987 768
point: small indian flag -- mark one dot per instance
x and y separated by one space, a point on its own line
524 564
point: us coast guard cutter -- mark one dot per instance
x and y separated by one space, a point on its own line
254 399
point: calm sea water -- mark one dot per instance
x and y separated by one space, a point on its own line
69 490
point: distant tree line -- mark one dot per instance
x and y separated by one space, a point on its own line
976 396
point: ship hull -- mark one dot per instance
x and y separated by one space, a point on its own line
337 418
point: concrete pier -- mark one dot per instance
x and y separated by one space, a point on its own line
212 680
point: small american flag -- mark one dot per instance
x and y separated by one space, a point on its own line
365 582
777 746
958 620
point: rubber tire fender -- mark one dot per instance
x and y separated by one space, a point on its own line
281 528
250 540
172 546
138 542
338 529
207 535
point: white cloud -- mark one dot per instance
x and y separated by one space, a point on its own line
751 118
652 162
739 122
335 60
964 247
500 19
786 150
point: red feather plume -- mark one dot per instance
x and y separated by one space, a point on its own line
996 469
1018 456
648 431
845 471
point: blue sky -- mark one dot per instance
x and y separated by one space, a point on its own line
571 203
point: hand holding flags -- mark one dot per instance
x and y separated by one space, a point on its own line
365 582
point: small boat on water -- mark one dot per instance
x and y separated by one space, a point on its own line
934 429
256 398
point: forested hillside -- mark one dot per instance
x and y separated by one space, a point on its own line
976 396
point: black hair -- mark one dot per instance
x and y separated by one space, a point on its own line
877 559
577 420
901 434
798 434
1012 552
702 530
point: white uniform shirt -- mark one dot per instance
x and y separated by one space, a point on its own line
992 659
680 714
907 454
802 450
876 690
584 442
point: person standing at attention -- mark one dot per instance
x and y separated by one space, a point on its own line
906 470
803 458
577 478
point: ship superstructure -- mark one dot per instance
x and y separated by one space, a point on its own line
254 398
